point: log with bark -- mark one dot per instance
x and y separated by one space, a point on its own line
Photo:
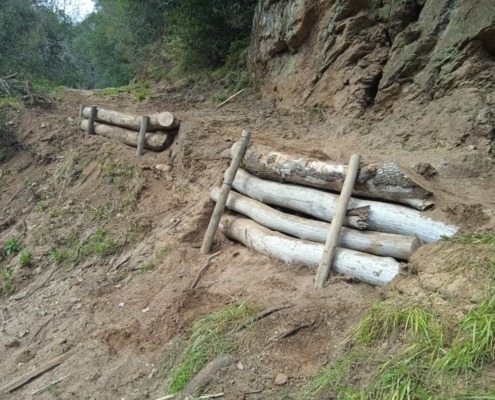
364 267
158 121
383 217
378 243
156 141
382 181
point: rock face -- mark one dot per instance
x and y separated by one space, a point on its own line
352 56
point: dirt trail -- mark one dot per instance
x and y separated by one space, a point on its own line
129 314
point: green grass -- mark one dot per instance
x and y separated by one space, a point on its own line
391 318
99 244
11 246
7 278
25 259
157 259
473 239
211 336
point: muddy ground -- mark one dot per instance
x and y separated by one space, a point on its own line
128 315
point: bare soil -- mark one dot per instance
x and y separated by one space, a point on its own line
129 320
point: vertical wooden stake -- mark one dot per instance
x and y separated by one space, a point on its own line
81 109
142 135
336 224
91 122
224 194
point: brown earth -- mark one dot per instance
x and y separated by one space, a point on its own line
128 320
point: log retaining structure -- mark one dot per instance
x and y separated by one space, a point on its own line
395 231
159 132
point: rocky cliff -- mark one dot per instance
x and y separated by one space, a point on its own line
364 58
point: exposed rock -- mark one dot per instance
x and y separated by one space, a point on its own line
348 55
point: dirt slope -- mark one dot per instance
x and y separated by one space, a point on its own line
128 314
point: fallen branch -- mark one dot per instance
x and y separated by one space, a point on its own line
22 380
388 181
383 217
206 375
203 270
261 315
231 98
364 267
43 388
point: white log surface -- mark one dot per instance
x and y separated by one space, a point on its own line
158 121
378 243
365 267
388 181
383 217
156 141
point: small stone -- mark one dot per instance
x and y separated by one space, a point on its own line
23 333
145 310
12 344
471 147
240 366
121 304
94 376
44 125
163 167
152 373
281 379
11 123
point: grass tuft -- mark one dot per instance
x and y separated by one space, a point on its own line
391 318
211 335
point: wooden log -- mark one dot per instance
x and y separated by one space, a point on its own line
142 135
381 181
336 225
364 267
22 380
193 389
224 194
231 98
156 141
378 243
383 217
158 121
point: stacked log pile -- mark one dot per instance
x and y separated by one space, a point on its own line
370 251
160 132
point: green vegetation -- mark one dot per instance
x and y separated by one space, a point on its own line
157 259
11 246
211 336
404 350
25 259
7 278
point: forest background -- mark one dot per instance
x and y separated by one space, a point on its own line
123 40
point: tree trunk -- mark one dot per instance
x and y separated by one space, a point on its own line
365 267
380 244
156 141
382 181
158 121
383 217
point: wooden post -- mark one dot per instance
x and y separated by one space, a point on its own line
81 108
91 122
142 135
227 185
336 224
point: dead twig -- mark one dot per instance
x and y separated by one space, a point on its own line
262 314
40 329
203 270
231 98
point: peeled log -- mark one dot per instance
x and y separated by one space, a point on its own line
163 120
383 217
381 244
365 267
156 141
382 181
